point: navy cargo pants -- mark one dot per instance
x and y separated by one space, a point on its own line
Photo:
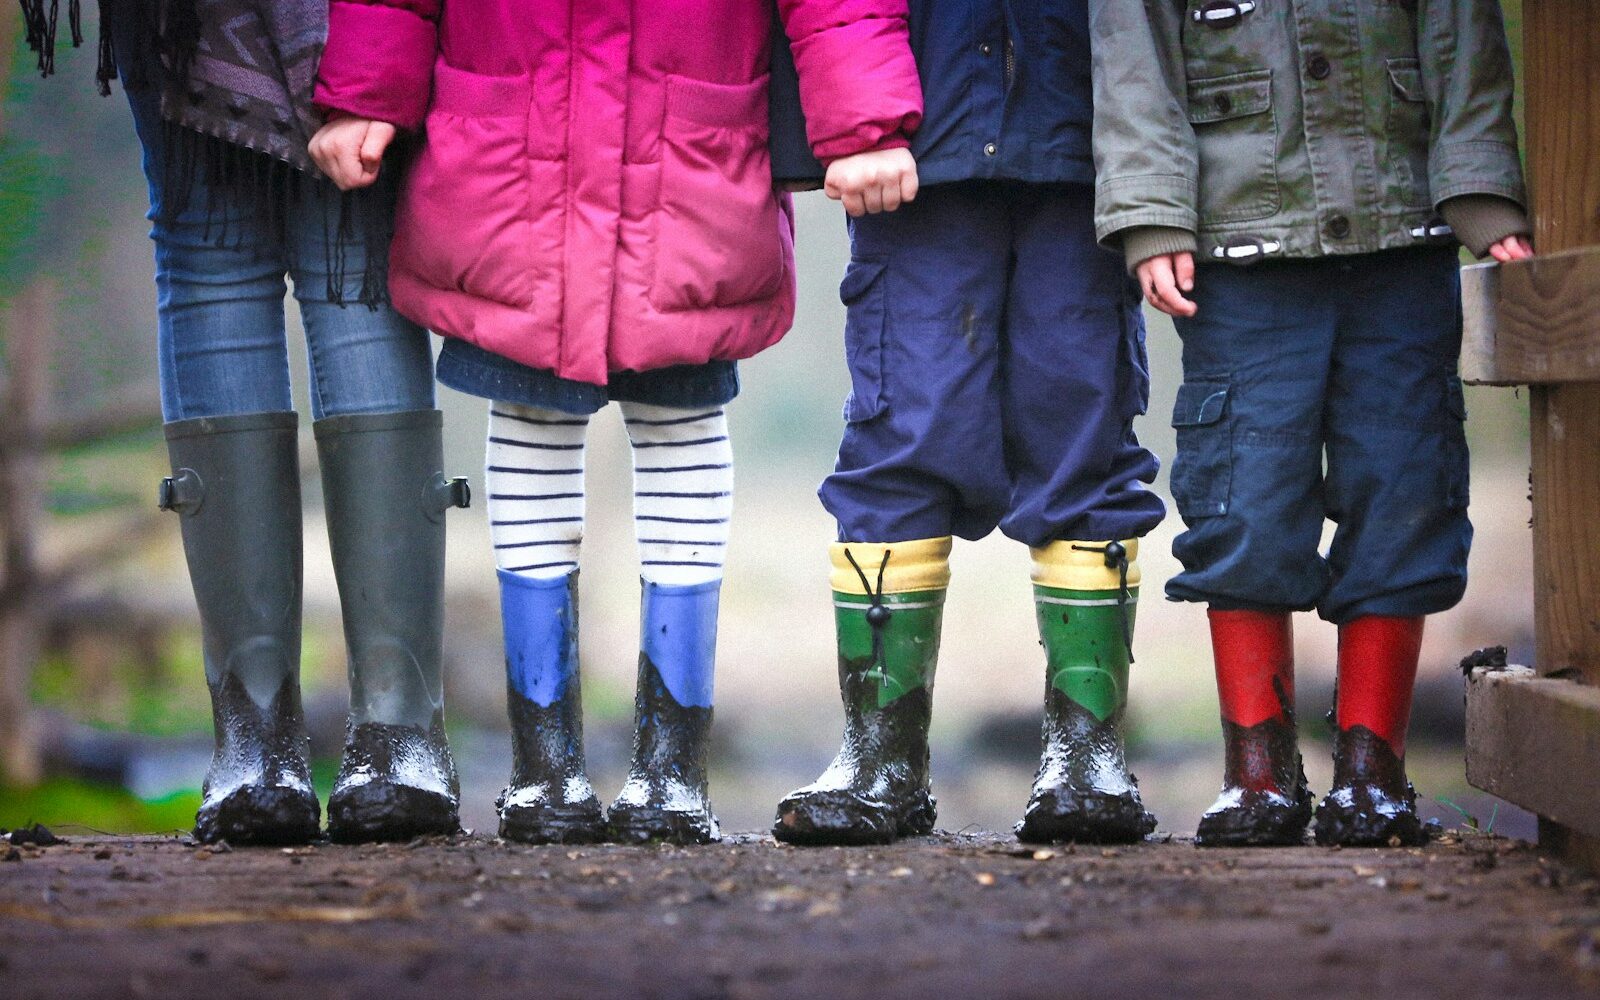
997 362
1349 358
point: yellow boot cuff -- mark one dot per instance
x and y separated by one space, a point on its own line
923 564
1071 565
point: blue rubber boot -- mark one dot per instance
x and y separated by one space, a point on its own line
666 797
549 800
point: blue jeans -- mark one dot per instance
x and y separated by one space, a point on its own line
223 343
997 361
1352 359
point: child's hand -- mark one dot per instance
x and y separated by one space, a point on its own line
873 182
1511 248
1164 278
350 150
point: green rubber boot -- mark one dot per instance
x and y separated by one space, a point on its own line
876 789
1085 594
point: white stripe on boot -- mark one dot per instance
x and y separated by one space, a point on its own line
683 491
535 480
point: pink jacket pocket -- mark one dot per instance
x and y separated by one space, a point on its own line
718 216
481 212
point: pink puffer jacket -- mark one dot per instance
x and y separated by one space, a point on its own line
594 191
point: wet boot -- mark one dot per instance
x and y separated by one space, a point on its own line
236 486
549 800
667 797
1371 803
386 498
888 608
1264 800
1085 594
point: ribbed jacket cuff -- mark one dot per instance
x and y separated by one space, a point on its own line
1141 243
1482 220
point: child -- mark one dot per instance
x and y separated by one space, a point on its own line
997 362
591 218
1318 141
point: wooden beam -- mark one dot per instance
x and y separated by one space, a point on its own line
1535 741
1532 322
1561 52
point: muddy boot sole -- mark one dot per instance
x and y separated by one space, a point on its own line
1087 818
265 815
1266 826
380 811
653 825
842 818
579 824
1343 826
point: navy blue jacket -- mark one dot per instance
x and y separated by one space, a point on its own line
1006 94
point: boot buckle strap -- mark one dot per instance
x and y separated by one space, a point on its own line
441 494
182 491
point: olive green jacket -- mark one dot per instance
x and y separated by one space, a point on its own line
1298 128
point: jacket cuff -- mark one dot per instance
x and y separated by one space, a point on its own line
1141 243
858 84
1482 220
894 140
1123 203
378 64
1476 167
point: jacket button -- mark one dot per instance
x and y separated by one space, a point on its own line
1318 67
1338 227
1224 104
985 48
989 149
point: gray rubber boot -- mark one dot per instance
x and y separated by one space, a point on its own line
386 497
235 485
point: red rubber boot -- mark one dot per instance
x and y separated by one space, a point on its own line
1264 797
1371 803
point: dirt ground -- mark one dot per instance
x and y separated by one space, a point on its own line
948 916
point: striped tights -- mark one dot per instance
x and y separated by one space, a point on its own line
683 490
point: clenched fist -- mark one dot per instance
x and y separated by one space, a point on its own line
869 183
350 150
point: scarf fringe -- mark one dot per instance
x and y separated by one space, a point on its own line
39 21
234 181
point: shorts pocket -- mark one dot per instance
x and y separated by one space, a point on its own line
472 217
1202 474
862 292
1407 131
1458 480
719 226
1236 135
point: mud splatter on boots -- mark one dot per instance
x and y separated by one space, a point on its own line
888 609
1264 800
549 800
235 484
386 498
1371 803
667 795
1085 594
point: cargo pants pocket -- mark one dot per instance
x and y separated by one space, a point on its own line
1202 473
862 293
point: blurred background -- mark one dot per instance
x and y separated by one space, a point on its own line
104 719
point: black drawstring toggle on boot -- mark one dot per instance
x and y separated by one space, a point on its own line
878 614
1117 558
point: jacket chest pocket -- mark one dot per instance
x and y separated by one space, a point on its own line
719 226
1236 139
1406 130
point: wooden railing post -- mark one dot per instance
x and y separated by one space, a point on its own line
1561 45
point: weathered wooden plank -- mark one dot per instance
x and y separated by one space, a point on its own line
1532 322
1535 741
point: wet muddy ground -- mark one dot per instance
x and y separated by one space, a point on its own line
947 916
